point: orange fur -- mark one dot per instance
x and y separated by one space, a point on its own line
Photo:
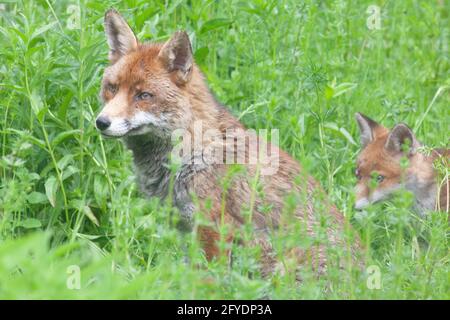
381 155
180 97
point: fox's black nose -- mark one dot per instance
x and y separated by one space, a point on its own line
102 123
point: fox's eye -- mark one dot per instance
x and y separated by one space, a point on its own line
380 178
144 96
111 88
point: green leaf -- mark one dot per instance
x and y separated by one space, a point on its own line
329 92
30 223
36 103
80 205
51 186
64 135
343 88
64 106
36 197
26 135
101 190
88 212
333 126
43 29
65 161
347 135
69 171
201 54
215 24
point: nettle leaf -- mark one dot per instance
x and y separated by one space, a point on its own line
36 197
30 223
51 186
34 176
64 135
65 161
69 171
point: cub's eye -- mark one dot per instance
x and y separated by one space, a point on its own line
380 178
358 174
111 88
144 96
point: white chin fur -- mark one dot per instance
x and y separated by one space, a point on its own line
376 196
118 128
141 123
361 203
379 195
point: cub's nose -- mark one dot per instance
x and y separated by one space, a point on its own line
102 123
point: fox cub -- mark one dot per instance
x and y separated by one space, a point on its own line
151 90
381 154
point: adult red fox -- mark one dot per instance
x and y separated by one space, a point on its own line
151 90
382 151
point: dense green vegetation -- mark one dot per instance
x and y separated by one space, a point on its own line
68 197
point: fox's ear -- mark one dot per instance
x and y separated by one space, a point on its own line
366 128
176 55
400 139
121 38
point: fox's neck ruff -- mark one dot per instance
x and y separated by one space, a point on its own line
151 156
423 183
426 196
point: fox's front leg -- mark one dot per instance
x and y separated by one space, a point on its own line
219 228
207 191
210 239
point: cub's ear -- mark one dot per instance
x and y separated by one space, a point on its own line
401 137
121 38
366 128
176 55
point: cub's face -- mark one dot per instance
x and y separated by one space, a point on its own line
378 174
142 89
378 170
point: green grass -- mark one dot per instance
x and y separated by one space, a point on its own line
67 197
